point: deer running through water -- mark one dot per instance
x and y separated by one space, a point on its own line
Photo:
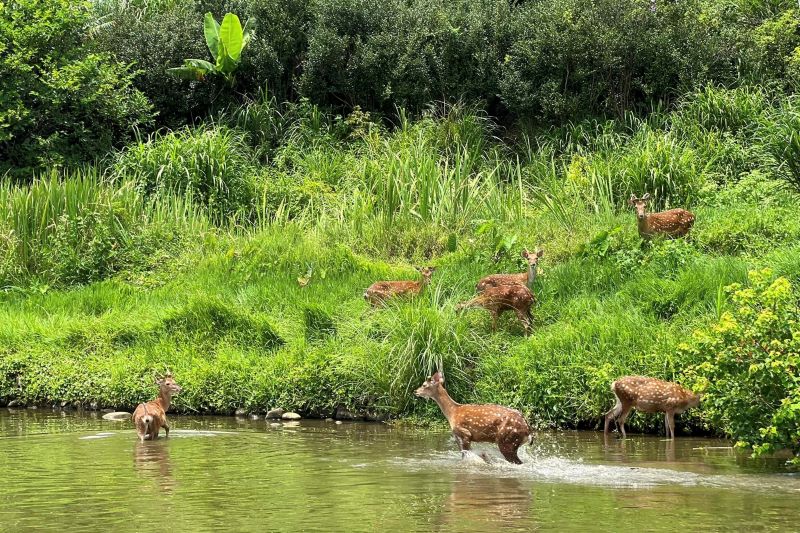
479 423
649 395
523 278
672 223
498 300
380 291
150 417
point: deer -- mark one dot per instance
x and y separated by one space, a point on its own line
523 278
672 223
151 416
498 300
380 291
479 423
649 395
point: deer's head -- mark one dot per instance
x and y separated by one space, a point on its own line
532 257
426 272
168 385
431 387
640 204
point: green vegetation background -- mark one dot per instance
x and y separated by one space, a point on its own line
228 233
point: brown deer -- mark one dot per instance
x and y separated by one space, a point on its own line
380 291
649 395
672 223
479 423
498 300
150 417
523 278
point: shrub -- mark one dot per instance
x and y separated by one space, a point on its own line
210 164
750 359
59 103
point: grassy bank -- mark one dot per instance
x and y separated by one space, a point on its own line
240 266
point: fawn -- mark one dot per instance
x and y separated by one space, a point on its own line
150 417
498 300
649 395
524 278
380 291
672 223
479 423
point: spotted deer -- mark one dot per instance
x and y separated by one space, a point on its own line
380 291
649 395
672 223
150 417
498 300
479 423
523 278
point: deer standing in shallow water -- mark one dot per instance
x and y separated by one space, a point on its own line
479 423
498 300
380 291
524 278
672 223
150 417
649 395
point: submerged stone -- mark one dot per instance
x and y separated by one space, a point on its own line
117 416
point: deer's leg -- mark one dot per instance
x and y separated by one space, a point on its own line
509 445
525 319
166 428
494 320
626 410
464 439
670 416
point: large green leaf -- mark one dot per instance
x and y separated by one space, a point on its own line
249 30
192 69
211 30
230 33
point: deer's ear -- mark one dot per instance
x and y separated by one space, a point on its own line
437 377
539 252
525 253
646 196
632 199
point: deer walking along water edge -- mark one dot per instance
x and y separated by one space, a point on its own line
649 395
381 291
498 300
524 278
151 416
672 223
479 423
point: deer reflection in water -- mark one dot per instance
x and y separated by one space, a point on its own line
494 501
151 460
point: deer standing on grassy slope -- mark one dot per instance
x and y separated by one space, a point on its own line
498 300
523 278
672 223
479 423
150 417
649 395
380 291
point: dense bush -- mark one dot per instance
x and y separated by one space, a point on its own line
59 102
750 362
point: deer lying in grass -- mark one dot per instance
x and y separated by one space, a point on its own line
150 417
649 395
479 423
523 278
380 291
672 223
498 300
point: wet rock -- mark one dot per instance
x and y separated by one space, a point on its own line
32 407
329 419
291 416
254 416
14 403
339 422
376 417
241 411
107 410
344 414
94 406
117 416
275 413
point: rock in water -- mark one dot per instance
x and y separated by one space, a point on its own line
240 411
117 416
291 416
275 413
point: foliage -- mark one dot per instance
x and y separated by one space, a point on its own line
748 372
226 42
60 103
